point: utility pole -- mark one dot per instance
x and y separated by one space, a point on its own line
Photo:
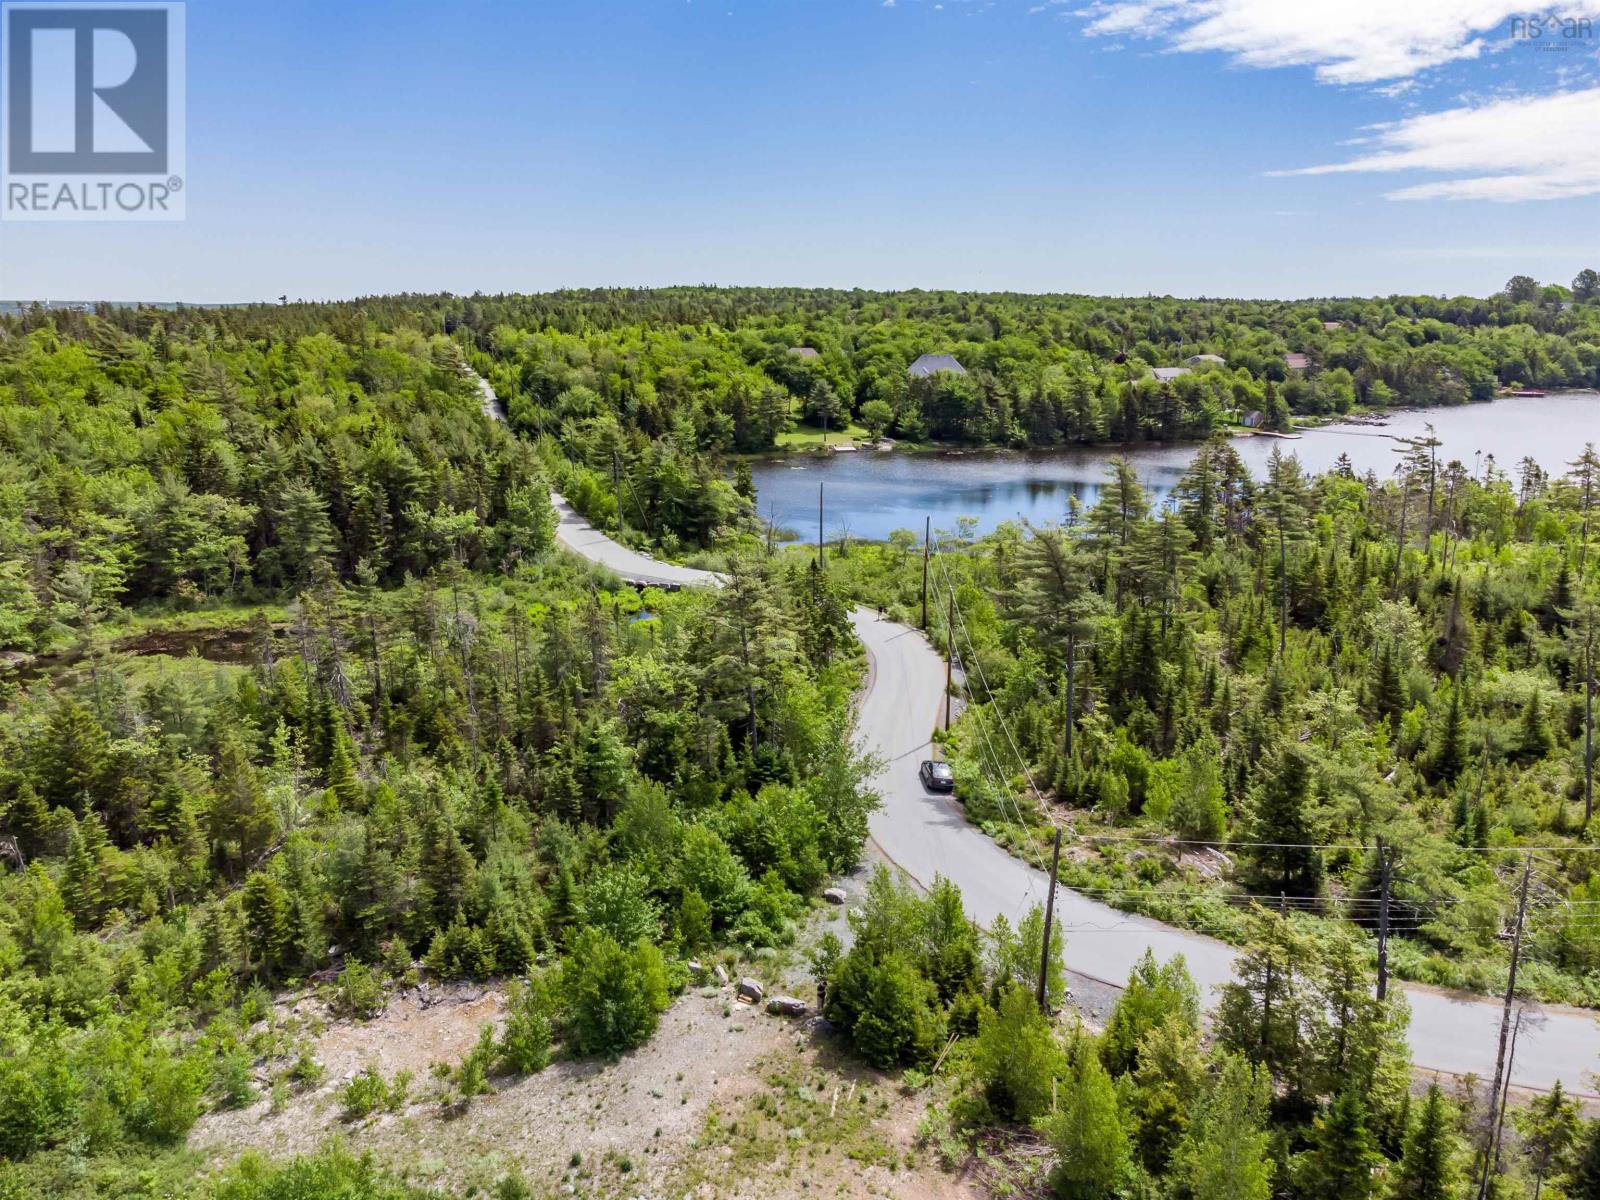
1505 1022
616 489
820 560
949 657
1049 915
927 547
1505 1096
1383 922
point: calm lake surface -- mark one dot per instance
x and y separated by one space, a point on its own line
870 493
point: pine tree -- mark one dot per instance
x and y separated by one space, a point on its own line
1534 739
1284 859
269 928
242 820
1388 691
1428 1168
1583 1181
73 758
1227 1154
1288 503
1343 1152
1549 1127
1087 1135
82 886
343 785
1450 752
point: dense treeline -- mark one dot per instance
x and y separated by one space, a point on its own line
649 386
196 464
1303 1088
1269 667
537 778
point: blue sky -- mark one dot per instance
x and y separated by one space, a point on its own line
1125 146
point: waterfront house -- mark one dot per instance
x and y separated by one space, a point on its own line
932 364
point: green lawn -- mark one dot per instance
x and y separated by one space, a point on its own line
808 436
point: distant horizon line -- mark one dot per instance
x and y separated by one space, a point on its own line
8 305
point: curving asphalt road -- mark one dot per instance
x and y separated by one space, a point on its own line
576 534
926 834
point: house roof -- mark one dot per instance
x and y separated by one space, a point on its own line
1330 326
1167 374
803 351
932 364
1296 362
1208 358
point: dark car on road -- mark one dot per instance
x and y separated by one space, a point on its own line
937 776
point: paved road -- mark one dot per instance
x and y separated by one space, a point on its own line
576 534
927 835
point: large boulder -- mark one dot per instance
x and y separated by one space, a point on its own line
787 1006
834 895
752 991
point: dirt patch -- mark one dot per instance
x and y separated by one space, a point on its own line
419 1028
724 1101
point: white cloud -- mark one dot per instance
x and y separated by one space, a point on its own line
1526 148
1345 41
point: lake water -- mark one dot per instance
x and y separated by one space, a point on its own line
871 493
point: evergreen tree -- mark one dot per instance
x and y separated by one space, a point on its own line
1583 1180
1226 1156
1428 1168
1338 1165
1016 1056
1154 993
343 785
1086 1133
269 922
1534 739
1549 1127
1284 858
1450 749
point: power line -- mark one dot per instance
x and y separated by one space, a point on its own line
976 662
1161 839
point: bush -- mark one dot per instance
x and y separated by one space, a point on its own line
525 1042
694 921
471 1078
360 991
367 1093
616 901
614 995
36 1101
1017 1057
333 1173
890 1009
231 1078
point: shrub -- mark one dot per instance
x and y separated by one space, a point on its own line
694 921
367 1093
525 1042
1016 1056
471 1078
360 991
614 995
889 1008
616 901
230 1077
333 1172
